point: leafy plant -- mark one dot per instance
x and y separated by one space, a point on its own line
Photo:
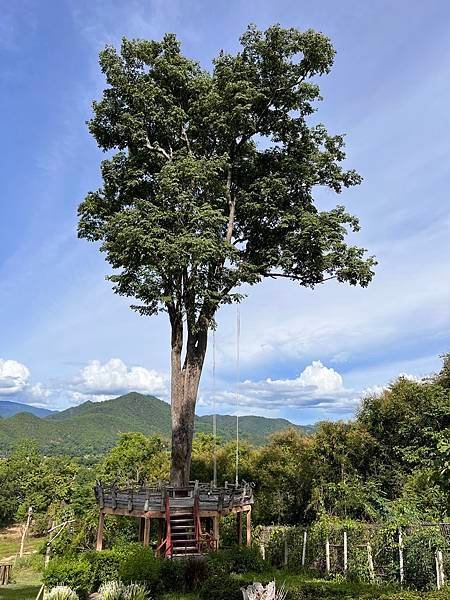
72 572
220 587
141 566
104 566
61 592
112 590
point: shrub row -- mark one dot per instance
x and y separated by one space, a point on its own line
210 577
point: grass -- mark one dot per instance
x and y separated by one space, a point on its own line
19 592
10 542
27 570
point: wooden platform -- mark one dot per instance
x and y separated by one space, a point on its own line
150 501
201 504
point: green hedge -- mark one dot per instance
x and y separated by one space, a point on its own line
72 572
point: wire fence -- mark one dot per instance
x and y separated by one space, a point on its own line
416 555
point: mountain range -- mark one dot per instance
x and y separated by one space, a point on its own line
94 427
9 409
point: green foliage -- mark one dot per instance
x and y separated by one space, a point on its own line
188 155
134 459
72 572
220 587
173 573
238 559
141 566
104 566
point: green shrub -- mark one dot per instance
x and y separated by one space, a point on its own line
238 559
141 566
195 573
173 575
220 587
74 573
104 566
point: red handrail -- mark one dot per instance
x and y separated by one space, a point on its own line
168 552
167 541
198 523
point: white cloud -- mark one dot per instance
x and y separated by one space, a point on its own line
39 391
317 386
97 381
14 377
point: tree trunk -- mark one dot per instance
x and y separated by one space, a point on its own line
184 387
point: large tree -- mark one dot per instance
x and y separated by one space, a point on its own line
212 186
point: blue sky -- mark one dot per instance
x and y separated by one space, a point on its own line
65 337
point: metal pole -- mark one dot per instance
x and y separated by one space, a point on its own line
345 553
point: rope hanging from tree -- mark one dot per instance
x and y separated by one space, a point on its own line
214 411
238 341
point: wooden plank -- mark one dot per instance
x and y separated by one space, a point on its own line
239 528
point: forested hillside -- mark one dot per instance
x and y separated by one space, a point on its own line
94 427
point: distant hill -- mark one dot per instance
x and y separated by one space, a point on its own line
93 427
9 409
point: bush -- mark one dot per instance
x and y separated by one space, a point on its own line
74 573
141 566
173 574
220 587
104 566
195 573
238 559
61 592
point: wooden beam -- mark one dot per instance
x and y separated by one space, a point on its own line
239 528
141 529
147 527
101 526
160 531
216 530
249 527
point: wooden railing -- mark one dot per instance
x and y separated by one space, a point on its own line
5 574
166 546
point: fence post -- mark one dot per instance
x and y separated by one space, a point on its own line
440 579
327 554
305 537
370 563
400 555
345 552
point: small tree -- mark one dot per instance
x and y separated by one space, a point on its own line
212 187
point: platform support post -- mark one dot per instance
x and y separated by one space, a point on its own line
101 526
160 534
141 529
239 528
147 526
216 530
249 528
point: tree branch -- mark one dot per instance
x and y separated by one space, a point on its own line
232 207
185 138
157 148
296 277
